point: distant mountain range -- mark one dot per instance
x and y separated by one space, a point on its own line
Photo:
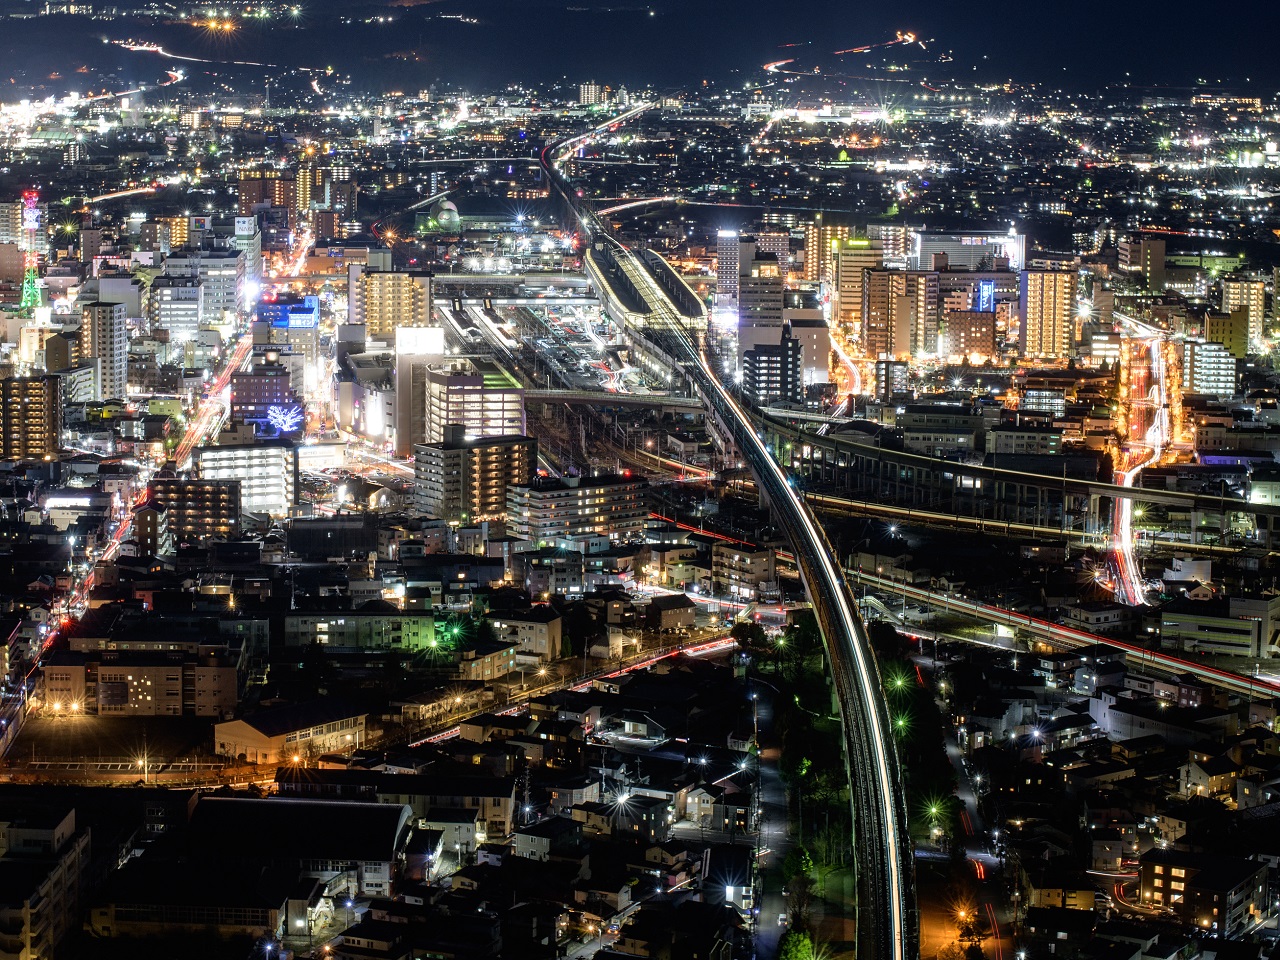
672 44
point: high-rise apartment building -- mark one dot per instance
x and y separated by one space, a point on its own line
1229 329
893 379
591 93
819 240
1208 368
198 507
551 509
30 416
773 372
267 188
895 239
1048 300
104 334
179 230
465 481
383 300
900 313
970 333
853 256
760 300
1250 295
1145 257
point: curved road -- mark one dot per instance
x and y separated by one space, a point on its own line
886 910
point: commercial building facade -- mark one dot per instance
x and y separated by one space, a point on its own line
478 396
267 471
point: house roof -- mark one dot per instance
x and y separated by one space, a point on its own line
298 829
275 721
675 601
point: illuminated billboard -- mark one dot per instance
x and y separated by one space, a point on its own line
986 296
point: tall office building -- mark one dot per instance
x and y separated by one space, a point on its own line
802 313
384 300
760 298
222 275
465 481
733 250
417 349
777 243
1146 257
267 471
30 416
104 334
176 306
853 256
900 313
477 395
1251 295
1048 300
977 250
727 258
265 396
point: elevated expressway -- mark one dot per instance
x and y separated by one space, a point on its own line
856 467
1055 634
887 924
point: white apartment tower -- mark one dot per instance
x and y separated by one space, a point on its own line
104 334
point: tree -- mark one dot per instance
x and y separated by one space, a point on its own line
952 951
803 635
797 862
749 634
795 945
831 845
800 894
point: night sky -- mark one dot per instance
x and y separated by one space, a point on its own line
674 44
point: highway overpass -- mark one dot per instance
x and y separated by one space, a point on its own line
857 466
887 923
601 398
1069 638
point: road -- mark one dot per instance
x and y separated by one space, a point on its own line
886 909
1070 638
1149 419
